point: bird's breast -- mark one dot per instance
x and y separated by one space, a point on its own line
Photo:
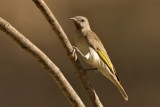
81 43
87 50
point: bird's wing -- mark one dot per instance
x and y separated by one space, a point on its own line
97 45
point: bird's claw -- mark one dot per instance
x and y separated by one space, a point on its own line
73 53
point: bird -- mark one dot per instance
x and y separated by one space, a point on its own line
90 47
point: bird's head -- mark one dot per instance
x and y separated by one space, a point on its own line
81 23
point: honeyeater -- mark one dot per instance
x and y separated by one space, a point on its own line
90 47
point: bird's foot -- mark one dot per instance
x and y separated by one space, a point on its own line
78 51
73 53
91 69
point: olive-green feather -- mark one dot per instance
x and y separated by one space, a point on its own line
106 60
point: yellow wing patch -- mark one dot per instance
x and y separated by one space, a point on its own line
106 60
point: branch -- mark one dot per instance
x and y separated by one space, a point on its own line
52 69
67 45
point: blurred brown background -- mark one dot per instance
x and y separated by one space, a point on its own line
129 29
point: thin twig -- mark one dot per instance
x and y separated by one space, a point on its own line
67 45
52 69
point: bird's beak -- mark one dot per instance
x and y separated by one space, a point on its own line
72 18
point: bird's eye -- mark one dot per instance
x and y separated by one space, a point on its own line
82 20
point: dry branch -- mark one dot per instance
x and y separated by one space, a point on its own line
52 69
67 45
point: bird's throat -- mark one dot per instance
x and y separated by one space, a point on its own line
77 26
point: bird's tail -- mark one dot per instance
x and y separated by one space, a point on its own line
115 80
120 88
